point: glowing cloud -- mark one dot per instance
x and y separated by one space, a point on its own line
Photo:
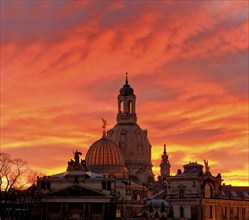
62 65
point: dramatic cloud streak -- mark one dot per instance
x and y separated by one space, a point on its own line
62 65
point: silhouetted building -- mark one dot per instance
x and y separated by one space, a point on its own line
116 181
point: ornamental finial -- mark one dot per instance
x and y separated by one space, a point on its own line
126 78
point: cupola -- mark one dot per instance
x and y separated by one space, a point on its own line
126 104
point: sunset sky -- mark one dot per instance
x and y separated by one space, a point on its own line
63 63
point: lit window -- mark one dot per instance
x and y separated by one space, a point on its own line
137 197
118 213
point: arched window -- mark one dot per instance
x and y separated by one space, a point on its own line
121 106
181 212
208 191
130 107
137 197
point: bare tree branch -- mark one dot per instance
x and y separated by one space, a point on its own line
14 176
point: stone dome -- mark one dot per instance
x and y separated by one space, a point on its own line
133 142
105 157
136 148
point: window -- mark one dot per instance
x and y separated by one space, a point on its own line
224 212
237 213
231 213
208 191
243 213
234 194
210 211
181 193
118 213
130 107
121 106
181 212
137 197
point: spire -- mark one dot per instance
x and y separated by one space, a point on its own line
126 79
165 165
164 156
164 149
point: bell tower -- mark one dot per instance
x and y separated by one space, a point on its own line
126 104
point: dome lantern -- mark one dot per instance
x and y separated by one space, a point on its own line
126 104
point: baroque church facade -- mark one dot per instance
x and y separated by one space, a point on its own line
115 181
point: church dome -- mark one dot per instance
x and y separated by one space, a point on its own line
105 157
133 142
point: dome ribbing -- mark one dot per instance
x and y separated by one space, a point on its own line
105 157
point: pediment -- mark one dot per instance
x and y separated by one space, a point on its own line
76 191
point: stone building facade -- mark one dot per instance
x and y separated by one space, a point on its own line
76 194
195 194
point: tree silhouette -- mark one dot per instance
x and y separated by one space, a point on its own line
14 177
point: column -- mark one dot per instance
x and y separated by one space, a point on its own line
84 211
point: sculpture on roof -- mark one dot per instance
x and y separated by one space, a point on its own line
104 126
77 157
76 164
206 166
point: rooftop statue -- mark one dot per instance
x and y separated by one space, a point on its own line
104 126
77 157
206 166
76 164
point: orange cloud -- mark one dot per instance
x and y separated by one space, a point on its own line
63 64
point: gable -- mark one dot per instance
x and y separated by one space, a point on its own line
76 191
